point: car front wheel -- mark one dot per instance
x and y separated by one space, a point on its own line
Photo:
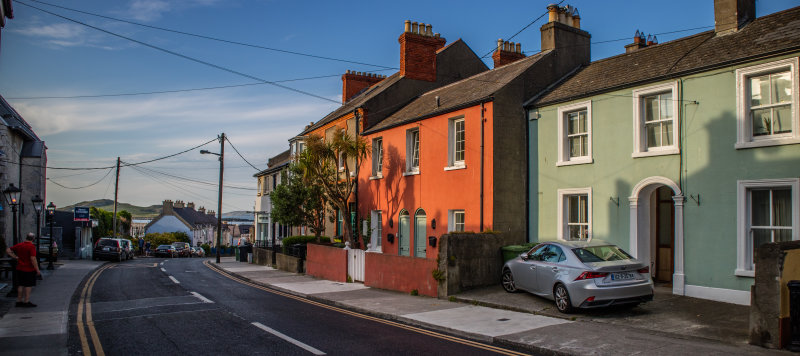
508 282
561 297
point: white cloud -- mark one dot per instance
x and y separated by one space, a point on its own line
148 10
62 31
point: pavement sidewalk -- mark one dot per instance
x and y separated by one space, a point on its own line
43 330
529 322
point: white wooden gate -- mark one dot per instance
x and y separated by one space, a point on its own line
355 264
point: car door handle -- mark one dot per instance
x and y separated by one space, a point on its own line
555 269
533 267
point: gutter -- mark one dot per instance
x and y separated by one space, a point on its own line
483 100
483 123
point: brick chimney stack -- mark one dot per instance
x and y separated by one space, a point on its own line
190 205
507 52
418 47
166 207
178 204
354 82
202 210
732 15
562 33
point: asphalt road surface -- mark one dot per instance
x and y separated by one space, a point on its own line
151 306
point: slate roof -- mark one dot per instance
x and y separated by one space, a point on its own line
276 163
194 217
771 35
15 121
466 92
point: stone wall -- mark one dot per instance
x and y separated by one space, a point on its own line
776 265
262 257
290 263
471 260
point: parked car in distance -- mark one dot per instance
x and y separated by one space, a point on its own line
183 248
579 274
44 249
166 251
199 252
112 249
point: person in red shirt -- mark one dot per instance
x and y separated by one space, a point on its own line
27 269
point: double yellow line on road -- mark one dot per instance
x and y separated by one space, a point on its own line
459 340
84 323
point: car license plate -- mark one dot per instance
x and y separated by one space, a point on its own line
622 276
105 248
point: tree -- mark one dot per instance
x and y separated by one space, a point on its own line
125 220
104 222
296 203
321 167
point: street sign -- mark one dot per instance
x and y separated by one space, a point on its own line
81 213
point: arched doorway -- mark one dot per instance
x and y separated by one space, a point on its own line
656 228
420 231
404 233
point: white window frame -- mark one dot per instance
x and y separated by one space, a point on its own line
451 220
743 217
376 220
340 162
377 158
563 144
639 145
452 163
410 170
562 214
744 135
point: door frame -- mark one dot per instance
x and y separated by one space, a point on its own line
400 236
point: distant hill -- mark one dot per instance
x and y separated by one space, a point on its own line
108 205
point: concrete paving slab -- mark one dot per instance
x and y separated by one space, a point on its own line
319 286
485 321
30 324
248 268
396 305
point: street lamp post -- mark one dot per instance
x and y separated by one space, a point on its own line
221 155
12 196
51 214
38 205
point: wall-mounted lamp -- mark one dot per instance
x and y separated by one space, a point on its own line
433 224
390 238
615 201
432 241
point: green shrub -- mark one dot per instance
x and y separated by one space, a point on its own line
438 275
301 239
165 238
414 292
206 248
452 298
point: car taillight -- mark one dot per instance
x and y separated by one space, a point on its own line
643 270
591 275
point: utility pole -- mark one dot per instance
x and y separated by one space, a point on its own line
219 202
116 193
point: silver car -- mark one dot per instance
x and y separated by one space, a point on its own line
579 274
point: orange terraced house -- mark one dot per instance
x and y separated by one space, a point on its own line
455 159
425 63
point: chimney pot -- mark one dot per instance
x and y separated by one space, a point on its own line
407 26
568 15
519 48
437 35
429 30
562 16
576 19
415 27
552 12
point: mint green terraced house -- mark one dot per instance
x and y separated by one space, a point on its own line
685 153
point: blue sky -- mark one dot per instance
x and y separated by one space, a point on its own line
46 56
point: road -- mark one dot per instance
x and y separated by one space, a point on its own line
181 306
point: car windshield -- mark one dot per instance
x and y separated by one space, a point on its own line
165 247
107 243
601 253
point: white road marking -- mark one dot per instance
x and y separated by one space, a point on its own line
204 299
282 336
163 270
174 280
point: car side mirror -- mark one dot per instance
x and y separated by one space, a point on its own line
524 256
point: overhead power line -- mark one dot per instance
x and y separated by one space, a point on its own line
200 61
169 156
85 186
215 38
240 155
523 29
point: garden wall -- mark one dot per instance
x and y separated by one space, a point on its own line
471 260
326 262
400 273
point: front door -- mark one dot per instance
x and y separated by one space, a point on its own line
420 220
665 235
404 234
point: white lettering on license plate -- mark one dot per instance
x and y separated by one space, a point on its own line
622 276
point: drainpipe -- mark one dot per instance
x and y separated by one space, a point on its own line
357 135
482 139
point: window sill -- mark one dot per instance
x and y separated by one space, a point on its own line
576 161
661 152
744 273
411 173
454 168
376 177
767 142
377 250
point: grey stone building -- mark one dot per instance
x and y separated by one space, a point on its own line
23 159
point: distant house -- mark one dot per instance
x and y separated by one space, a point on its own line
138 225
199 224
685 153
269 179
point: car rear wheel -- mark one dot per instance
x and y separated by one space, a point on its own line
561 297
508 282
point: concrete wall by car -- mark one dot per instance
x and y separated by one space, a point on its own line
400 273
326 262
289 263
776 265
471 260
262 257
